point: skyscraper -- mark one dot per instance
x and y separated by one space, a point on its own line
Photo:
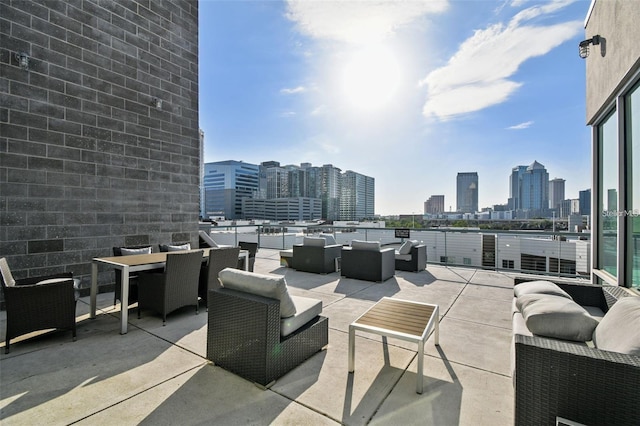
226 183
529 190
357 200
556 192
467 192
585 201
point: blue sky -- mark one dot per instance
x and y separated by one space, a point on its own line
410 93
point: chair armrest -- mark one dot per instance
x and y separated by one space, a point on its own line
587 385
35 280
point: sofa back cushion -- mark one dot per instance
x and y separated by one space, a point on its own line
539 287
405 248
314 241
7 277
271 286
365 245
619 330
556 316
330 239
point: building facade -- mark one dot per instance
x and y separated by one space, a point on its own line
282 209
226 184
357 200
99 140
584 198
434 205
467 192
613 112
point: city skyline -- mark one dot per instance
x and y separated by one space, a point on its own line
411 93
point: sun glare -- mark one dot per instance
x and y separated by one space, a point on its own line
371 78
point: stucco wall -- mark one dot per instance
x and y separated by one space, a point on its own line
618 22
87 161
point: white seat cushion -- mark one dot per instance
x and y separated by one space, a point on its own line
330 239
207 239
272 286
306 310
131 252
179 248
365 245
405 248
403 256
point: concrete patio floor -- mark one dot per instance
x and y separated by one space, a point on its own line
160 375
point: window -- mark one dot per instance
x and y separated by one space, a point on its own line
608 194
507 264
632 130
466 261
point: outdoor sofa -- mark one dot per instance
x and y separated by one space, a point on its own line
366 260
411 256
560 378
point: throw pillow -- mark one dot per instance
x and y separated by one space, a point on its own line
405 248
330 239
539 287
131 252
272 286
314 241
619 330
186 246
557 317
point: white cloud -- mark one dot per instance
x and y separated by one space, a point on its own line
322 109
477 75
354 21
291 91
287 114
521 126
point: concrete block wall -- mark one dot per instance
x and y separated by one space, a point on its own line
87 160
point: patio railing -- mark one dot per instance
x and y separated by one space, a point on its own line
561 254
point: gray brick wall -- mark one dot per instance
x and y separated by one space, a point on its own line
87 161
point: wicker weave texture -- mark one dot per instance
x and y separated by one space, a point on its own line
368 265
315 259
32 307
176 287
243 337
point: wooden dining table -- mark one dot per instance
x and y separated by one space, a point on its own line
136 263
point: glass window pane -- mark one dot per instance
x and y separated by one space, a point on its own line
633 182
608 194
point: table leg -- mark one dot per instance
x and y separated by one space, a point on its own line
436 333
352 348
420 375
124 300
94 289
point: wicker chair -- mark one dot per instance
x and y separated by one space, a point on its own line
133 278
252 248
557 378
174 288
416 261
219 258
33 304
243 336
367 263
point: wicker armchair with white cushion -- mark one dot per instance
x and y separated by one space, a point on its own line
411 256
366 260
316 255
260 332
38 303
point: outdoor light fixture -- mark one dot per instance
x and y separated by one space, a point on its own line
157 103
22 59
584 45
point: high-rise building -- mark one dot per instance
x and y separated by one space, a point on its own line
529 191
556 192
467 192
226 183
585 201
434 205
357 200
330 191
